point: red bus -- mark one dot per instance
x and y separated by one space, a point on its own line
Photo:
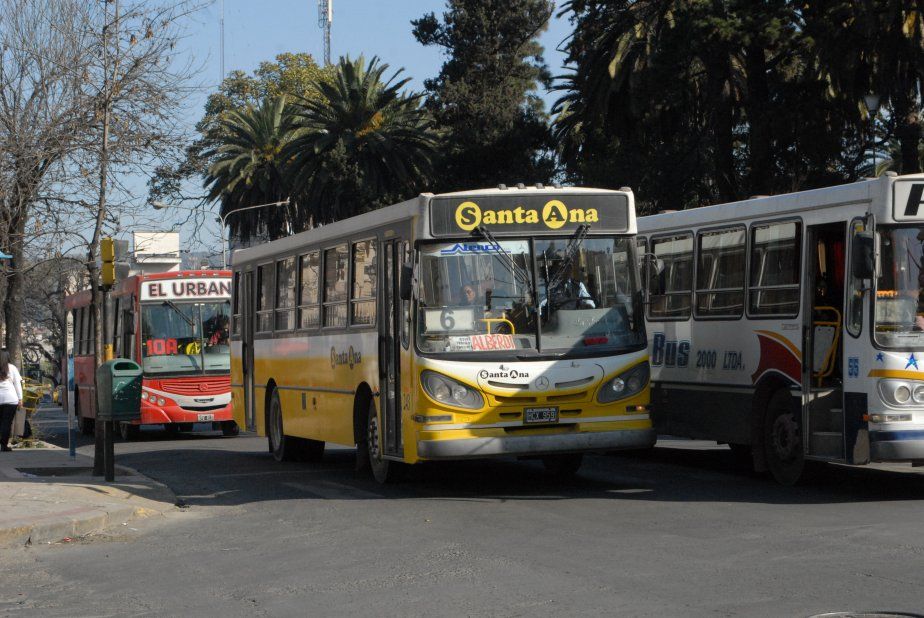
175 325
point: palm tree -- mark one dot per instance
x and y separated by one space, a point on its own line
248 168
362 145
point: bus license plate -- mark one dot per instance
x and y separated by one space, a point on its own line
206 417
540 415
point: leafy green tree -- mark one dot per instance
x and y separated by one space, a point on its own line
697 101
876 47
484 98
363 144
248 167
290 74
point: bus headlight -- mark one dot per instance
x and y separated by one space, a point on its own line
900 393
625 384
918 393
450 392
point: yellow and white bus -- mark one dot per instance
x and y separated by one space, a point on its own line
454 326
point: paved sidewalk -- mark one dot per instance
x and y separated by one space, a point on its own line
46 496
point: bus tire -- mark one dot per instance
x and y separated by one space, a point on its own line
383 470
283 447
563 467
129 432
230 429
783 439
84 425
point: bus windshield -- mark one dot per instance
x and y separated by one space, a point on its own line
900 288
548 295
185 338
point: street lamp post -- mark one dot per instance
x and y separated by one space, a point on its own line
222 219
872 106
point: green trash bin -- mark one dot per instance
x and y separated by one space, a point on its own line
118 390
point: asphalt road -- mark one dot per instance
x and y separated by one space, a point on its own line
677 531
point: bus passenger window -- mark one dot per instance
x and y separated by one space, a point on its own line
236 311
335 287
309 312
265 298
670 291
774 279
720 273
285 294
362 309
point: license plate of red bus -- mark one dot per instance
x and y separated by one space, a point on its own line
540 415
206 417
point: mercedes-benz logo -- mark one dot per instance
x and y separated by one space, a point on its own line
541 383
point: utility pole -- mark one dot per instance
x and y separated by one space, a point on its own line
325 18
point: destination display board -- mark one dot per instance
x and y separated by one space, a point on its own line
522 213
185 289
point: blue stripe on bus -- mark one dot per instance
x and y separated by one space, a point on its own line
891 436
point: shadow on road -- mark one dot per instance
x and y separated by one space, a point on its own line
206 473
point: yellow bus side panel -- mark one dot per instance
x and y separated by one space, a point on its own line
316 377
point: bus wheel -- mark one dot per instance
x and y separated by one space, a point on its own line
283 447
783 439
384 470
230 428
129 431
563 466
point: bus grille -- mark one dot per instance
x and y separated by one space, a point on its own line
197 386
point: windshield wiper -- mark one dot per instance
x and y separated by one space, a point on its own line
574 243
515 269
185 317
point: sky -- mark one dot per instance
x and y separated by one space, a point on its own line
258 31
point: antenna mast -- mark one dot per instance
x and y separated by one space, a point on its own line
325 18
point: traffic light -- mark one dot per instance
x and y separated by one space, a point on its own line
107 254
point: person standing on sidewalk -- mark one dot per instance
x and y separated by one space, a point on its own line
10 397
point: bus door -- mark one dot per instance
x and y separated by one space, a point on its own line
390 347
823 366
248 309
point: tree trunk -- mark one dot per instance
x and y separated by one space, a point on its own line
908 131
718 83
759 114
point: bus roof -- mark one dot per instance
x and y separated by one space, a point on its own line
407 210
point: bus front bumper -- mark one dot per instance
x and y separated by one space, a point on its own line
541 444
896 445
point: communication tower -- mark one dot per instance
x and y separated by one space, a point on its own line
325 18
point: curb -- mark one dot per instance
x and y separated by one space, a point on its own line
74 523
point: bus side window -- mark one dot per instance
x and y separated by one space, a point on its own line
309 312
236 304
285 294
671 291
362 302
855 290
265 298
335 286
774 277
720 273
405 304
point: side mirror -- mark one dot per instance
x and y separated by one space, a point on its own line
863 263
406 283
